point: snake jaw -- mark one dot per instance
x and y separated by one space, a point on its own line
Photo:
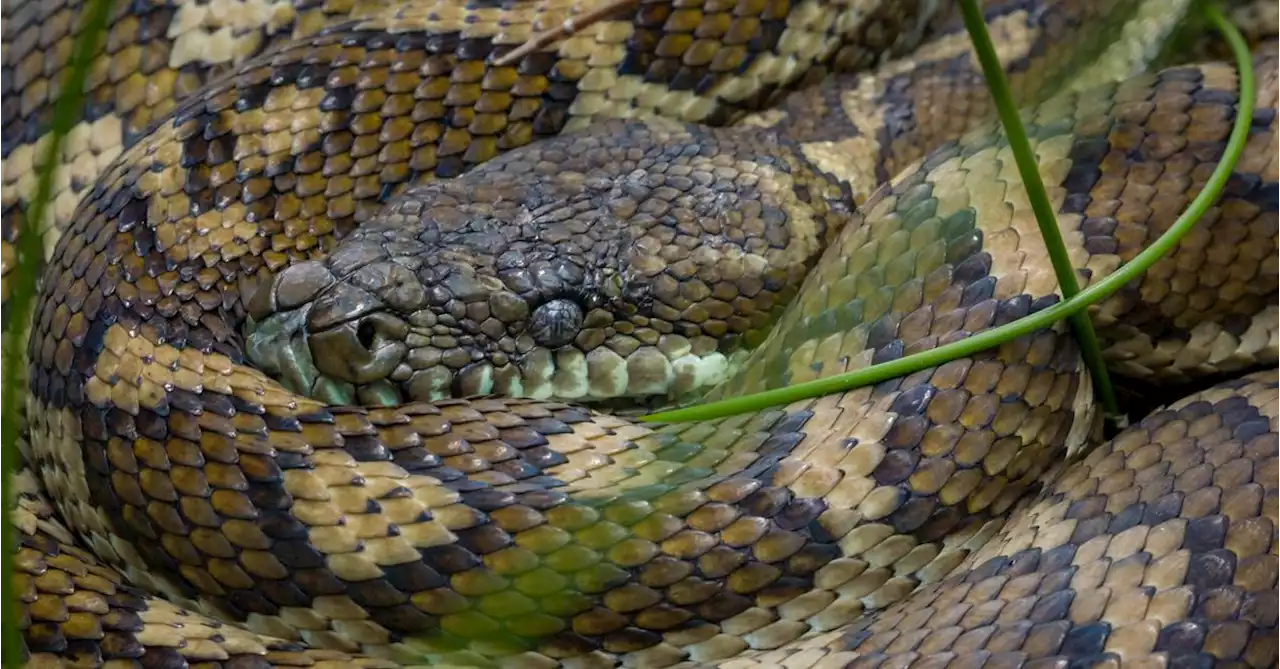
277 344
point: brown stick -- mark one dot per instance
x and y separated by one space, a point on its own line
568 27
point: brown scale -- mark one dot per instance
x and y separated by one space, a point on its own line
695 296
741 576
1123 558
337 526
931 243
80 612
893 116
444 110
1257 21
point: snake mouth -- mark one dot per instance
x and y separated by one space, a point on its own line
343 343
637 373
339 366
378 360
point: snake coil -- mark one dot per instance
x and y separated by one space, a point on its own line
442 254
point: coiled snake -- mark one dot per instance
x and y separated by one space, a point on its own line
267 163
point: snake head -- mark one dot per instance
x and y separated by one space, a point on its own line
454 325
498 287
581 269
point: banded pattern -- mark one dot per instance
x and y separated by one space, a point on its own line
945 516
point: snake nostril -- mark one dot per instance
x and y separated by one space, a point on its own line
366 333
361 352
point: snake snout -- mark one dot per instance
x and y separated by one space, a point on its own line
325 337
363 350
292 288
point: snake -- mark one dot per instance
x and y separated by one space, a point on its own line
345 303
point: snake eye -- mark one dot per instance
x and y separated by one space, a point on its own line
556 323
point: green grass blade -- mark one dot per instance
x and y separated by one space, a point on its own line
66 113
1025 158
1041 319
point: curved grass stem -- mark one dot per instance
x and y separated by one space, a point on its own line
1075 305
66 113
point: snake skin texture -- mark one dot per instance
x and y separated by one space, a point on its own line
298 493
423 65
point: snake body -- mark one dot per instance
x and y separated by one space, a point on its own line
183 507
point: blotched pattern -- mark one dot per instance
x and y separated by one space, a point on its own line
359 99
409 89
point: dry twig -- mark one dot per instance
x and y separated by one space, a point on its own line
565 29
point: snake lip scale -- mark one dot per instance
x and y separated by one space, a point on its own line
346 306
